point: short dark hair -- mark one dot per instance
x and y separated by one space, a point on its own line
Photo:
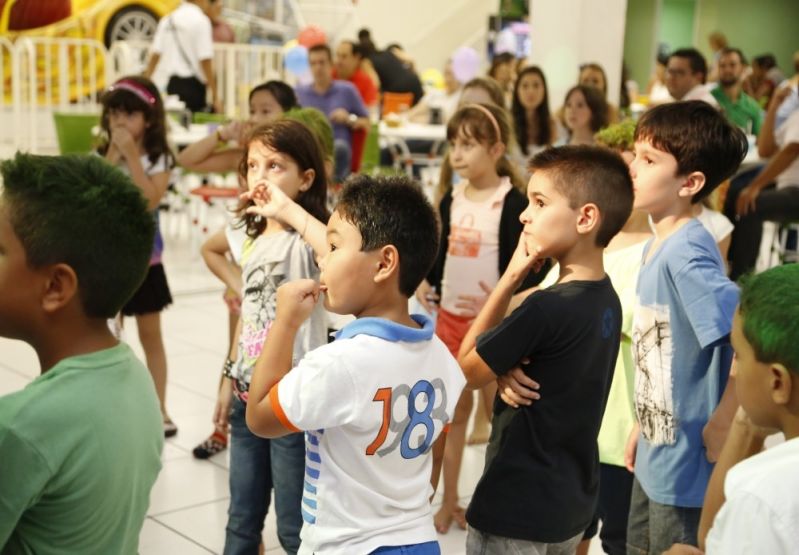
730 50
770 311
392 210
695 60
591 174
765 61
357 49
321 48
698 136
284 94
83 212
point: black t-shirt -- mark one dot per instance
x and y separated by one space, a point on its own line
541 475
394 76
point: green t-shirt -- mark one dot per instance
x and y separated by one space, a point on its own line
80 449
745 113
622 266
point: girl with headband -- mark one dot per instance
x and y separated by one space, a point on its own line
135 130
480 230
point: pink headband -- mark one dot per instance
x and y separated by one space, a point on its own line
491 117
135 88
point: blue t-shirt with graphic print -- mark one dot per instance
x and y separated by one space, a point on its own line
681 326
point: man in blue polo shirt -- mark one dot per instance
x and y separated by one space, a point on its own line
339 100
740 108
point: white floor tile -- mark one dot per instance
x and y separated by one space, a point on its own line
157 539
186 482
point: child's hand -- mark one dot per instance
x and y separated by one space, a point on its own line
761 432
233 301
426 296
517 388
471 305
631 447
223 402
123 140
270 201
683 549
233 131
522 262
296 301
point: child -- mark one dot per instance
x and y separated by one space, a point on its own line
681 324
751 501
479 231
379 396
539 487
81 444
286 154
133 121
585 112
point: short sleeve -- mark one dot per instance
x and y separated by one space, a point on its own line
19 459
204 40
516 337
791 130
318 393
157 46
709 298
747 525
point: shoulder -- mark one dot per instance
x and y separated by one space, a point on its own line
689 243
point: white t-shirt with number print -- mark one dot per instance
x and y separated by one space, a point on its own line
373 402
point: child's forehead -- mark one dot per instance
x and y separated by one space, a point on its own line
645 144
543 182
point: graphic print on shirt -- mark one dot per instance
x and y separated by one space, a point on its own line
652 350
258 304
411 414
464 240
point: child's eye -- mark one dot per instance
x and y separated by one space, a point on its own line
539 203
332 247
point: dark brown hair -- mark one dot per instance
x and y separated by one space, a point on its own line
698 136
600 111
293 139
542 116
591 174
155 140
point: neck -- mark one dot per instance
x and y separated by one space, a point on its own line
79 337
583 136
274 226
321 85
668 223
393 308
487 180
733 91
635 230
582 263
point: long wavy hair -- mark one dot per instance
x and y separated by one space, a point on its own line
293 139
543 135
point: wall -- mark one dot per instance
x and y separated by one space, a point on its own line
640 39
754 27
677 23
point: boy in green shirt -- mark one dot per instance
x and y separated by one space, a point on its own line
80 446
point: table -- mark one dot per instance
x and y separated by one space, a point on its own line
396 140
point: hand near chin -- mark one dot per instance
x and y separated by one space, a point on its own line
296 300
269 200
523 261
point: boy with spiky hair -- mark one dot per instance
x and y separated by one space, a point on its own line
80 446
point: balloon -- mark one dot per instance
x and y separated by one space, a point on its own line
296 60
465 63
506 42
290 44
431 77
311 36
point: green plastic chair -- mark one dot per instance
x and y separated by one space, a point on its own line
74 132
206 117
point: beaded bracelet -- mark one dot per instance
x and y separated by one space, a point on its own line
227 369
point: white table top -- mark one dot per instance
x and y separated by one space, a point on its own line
410 131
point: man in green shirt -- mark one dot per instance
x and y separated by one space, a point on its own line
80 446
740 108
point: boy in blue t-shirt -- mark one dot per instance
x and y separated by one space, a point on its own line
681 324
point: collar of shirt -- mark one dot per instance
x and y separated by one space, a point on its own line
388 330
459 190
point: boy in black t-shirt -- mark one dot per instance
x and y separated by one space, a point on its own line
539 487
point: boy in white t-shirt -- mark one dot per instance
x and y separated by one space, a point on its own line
375 401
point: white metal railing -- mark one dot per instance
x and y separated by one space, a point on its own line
42 75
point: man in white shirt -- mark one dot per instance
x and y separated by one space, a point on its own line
183 45
686 72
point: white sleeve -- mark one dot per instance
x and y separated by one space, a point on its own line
157 46
204 41
746 525
318 393
791 130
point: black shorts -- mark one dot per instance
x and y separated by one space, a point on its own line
152 295
190 90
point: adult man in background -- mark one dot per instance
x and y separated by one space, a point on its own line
686 72
740 108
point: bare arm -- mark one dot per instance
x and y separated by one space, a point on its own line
152 63
213 252
208 70
766 143
153 186
204 156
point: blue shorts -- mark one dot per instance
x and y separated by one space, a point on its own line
427 548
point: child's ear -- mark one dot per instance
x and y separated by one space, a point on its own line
61 286
307 179
497 150
588 218
387 263
694 182
781 381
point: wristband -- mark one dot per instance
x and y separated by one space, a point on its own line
227 369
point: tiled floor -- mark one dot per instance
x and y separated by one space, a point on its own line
189 501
